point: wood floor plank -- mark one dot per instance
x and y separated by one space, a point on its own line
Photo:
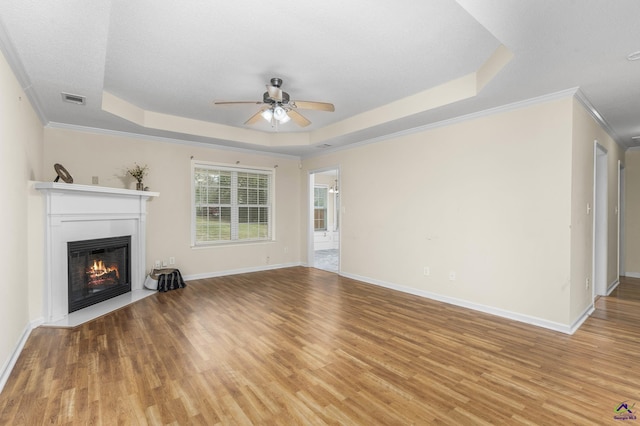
304 346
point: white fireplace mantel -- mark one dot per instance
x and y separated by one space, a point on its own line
81 212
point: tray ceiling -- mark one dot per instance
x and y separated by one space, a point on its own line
155 67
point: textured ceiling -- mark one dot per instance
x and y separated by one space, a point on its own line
173 59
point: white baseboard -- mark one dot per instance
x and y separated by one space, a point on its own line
7 368
527 319
632 274
238 271
581 319
613 286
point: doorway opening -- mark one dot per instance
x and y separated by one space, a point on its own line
324 226
600 220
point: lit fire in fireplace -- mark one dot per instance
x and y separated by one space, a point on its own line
101 274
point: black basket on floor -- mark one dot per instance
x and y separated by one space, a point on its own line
168 279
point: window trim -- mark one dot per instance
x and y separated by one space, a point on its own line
271 171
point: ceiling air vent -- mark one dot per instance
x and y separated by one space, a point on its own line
74 99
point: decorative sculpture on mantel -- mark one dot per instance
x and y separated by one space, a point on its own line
62 173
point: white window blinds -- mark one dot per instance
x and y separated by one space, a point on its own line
231 204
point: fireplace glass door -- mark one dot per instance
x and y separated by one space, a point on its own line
98 269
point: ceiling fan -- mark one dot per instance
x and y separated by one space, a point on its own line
279 108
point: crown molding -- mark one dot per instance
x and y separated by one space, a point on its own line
575 92
586 103
456 120
99 131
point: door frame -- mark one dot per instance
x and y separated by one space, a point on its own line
600 220
310 218
621 227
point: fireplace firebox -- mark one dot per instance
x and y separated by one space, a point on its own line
99 269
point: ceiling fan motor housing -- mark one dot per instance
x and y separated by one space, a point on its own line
268 100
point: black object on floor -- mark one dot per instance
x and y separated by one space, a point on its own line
168 279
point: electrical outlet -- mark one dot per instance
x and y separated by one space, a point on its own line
268 260
157 263
587 284
94 180
426 271
452 275
172 260
164 263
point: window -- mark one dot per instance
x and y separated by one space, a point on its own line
230 204
320 208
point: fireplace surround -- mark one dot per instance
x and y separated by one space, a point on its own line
82 212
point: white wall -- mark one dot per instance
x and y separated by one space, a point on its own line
21 139
489 199
86 155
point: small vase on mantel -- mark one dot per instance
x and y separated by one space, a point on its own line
138 172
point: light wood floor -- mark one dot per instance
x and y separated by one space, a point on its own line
304 346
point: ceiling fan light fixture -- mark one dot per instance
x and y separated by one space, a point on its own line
267 114
285 118
280 114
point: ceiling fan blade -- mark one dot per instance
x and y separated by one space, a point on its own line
275 93
298 118
255 117
237 102
319 106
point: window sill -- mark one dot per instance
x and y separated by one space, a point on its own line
231 244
